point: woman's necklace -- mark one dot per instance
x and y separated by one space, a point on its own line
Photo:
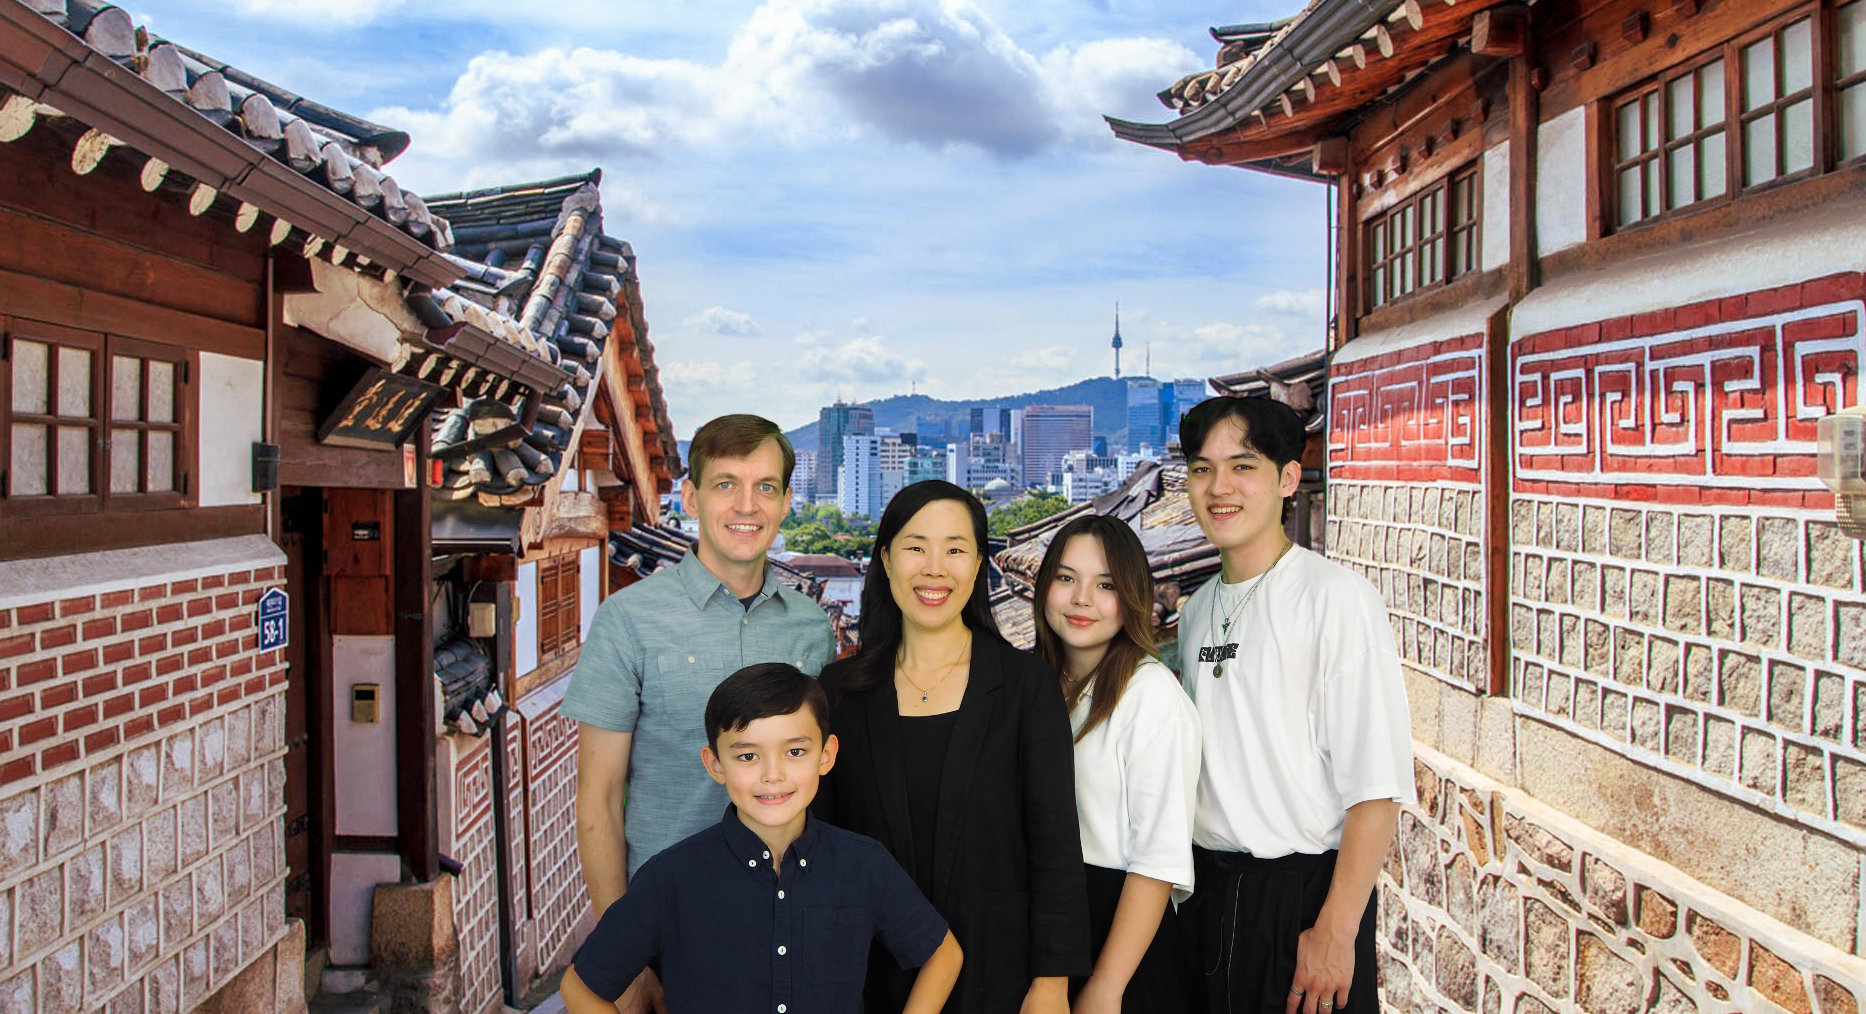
1224 630
951 667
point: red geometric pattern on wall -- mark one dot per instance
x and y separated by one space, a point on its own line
1713 402
1411 415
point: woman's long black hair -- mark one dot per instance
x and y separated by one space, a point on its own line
881 622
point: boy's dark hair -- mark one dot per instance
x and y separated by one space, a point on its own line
760 691
735 436
1271 428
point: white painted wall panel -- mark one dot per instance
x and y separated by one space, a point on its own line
233 408
1496 236
1561 182
363 753
525 634
589 594
353 880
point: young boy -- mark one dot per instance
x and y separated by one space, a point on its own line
768 910
1308 751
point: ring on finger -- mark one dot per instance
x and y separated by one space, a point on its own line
1325 1003
1293 991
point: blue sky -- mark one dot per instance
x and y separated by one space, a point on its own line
840 197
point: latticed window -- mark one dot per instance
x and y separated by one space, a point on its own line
1745 115
1430 238
93 422
560 613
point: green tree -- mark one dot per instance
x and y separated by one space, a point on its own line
1026 510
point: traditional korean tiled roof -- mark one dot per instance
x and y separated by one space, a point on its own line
540 275
470 700
1153 502
225 141
823 565
1276 87
1301 383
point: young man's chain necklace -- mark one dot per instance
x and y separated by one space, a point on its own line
926 692
1224 630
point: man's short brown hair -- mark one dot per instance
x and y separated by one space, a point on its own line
736 436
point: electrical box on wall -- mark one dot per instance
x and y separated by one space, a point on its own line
364 701
482 619
1840 454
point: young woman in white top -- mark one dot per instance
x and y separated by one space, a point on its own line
1136 762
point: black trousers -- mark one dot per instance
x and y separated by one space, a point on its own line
1159 983
1242 925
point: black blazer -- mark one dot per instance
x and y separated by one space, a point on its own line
1007 862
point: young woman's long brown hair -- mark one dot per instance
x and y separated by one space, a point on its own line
1132 577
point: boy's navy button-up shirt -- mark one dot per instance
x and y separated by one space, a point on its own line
730 935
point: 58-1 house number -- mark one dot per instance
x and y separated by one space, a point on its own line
274 621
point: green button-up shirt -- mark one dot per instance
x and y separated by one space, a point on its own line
655 652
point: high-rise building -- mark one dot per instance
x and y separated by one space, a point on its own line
1144 415
803 479
859 489
982 458
834 423
931 431
991 419
927 462
1177 399
1048 432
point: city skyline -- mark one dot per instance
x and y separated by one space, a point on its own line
821 210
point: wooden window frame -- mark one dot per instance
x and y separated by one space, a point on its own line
560 614
1822 93
104 350
1857 79
1384 259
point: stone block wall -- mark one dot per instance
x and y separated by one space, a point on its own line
558 900
1679 590
1405 499
476 891
141 789
1492 902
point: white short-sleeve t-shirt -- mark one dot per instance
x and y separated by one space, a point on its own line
1309 715
1136 774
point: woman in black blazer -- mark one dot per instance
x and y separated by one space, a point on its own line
956 754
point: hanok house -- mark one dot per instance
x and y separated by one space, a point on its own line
1153 501
1597 277
226 329
159 213
538 482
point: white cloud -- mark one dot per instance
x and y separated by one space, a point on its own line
935 73
868 363
1306 302
721 321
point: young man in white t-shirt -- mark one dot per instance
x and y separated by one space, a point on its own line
1307 745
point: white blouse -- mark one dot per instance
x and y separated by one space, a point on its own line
1137 774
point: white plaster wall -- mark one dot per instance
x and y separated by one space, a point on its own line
233 412
23 582
1496 238
1821 242
353 880
525 634
1561 182
1452 324
363 754
590 591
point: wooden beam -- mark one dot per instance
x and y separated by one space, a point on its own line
1409 12
1525 117
1500 31
417 817
1329 157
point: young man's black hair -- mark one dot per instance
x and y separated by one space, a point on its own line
762 691
1271 428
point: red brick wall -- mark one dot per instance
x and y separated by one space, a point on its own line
141 849
1406 439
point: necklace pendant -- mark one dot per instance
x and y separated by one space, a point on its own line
1218 671
923 698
